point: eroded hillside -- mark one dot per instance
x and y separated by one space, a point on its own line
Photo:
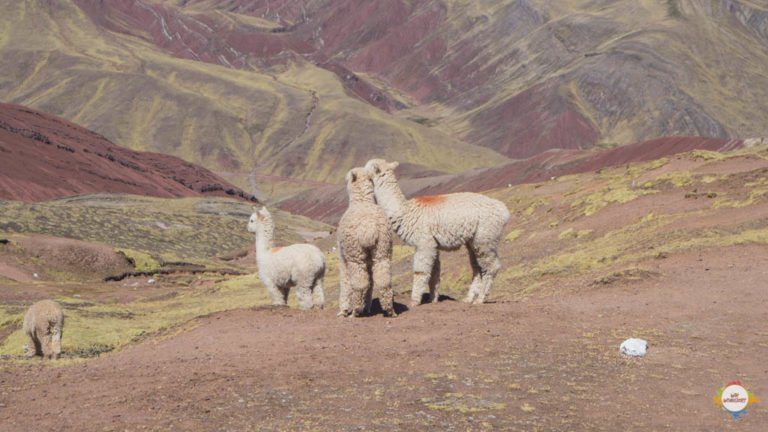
292 93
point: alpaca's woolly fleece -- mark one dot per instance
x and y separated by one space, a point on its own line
365 250
44 326
442 222
300 265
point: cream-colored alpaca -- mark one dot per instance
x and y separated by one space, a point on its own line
280 268
365 250
442 222
44 325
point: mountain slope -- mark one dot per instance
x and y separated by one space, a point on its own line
303 90
291 120
328 203
45 157
526 76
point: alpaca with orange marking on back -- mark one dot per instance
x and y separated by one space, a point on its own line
442 223
280 268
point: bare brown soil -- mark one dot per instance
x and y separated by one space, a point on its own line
546 363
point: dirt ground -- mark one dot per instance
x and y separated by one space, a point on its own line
546 363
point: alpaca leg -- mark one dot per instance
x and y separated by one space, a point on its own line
45 343
423 260
434 280
345 291
304 294
369 290
32 347
358 282
474 287
318 295
489 262
279 296
382 280
56 342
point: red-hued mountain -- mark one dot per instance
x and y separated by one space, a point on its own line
328 203
44 157
305 90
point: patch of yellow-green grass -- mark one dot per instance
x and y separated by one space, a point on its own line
718 238
612 194
185 229
587 255
572 233
707 179
647 218
514 235
99 327
676 178
629 244
753 197
758 192
462 403
534 205
628 274
400 252
455 285
142 262
706 155
435 377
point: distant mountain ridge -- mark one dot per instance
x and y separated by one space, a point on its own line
44 157
306 89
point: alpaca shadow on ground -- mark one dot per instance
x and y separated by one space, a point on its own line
425 298
377 310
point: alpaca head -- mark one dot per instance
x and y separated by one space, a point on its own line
381 171
359 185
260 221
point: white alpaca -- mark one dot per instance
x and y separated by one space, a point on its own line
442 222
365 250
44 326
280 268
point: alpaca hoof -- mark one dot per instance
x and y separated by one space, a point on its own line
415 303
468 300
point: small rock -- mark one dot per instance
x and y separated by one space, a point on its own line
152 281
35 275
76 296
634 347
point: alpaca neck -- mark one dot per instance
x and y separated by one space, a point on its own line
390 197
361 196
264 243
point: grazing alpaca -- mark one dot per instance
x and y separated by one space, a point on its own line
299 265
442 222
43 325
365 250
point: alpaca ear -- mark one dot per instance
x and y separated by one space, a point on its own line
394 165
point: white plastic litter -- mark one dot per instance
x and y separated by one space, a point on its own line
151 281
634 347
